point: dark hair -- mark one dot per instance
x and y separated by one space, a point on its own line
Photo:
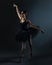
24 12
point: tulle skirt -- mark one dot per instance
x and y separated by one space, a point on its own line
25 34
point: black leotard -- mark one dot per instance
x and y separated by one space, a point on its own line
24 26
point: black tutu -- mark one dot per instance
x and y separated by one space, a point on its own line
24 34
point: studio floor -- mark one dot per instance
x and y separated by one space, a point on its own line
10 58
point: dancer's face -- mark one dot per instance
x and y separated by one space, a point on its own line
23 14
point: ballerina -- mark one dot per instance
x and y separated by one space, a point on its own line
27 29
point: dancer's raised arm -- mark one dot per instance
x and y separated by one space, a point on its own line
17 10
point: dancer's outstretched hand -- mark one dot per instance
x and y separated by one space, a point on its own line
42 31
14 5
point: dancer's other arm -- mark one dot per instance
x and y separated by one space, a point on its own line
36 27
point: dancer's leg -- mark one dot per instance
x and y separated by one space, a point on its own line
21 52
30 45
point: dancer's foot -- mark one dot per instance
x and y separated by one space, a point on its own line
20 60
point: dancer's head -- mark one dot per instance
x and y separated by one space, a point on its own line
23 14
